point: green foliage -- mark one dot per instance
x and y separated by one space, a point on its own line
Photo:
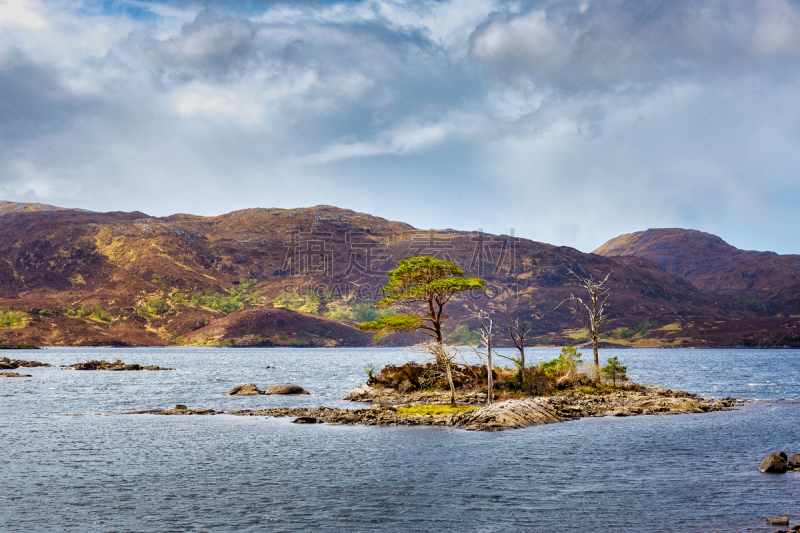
157 279
358 312
45 313
758 306
95 313
627 333
154 307
179 298
461 335
615 371
310 302
603 336
425 280
540 340
13 319
395 323
231 302
567 361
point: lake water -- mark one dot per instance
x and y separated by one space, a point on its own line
68 466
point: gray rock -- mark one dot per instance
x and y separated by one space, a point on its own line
774 464
287 388
782 521
305 420
794 461
247 389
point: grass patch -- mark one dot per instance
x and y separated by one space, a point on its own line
231 302
433 410
93 313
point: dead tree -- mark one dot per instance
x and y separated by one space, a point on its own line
592 314
443 357
486 342
518 330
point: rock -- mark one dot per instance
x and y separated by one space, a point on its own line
286 389
794 461
305 420
782 521
203 412
7 365
796 527
507 415
248 389
4 359
14 375
181 407
774 464
365 393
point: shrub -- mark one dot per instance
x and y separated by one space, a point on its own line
95 313
179 298
155 307
615 371
13 319
231 302
566 362
627 333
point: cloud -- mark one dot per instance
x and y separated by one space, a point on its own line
543 117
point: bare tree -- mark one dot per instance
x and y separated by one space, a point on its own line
486 342
518 330
592 314
443 357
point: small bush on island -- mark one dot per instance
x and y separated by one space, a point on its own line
566 363
615 371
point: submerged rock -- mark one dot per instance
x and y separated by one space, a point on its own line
14 375
247 389
117 365
774 464
286 389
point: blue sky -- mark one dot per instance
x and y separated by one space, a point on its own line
569 121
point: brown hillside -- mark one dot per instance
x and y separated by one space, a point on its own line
122 262
715 266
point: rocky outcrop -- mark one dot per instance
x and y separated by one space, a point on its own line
247 389
250 389
774 463
10 364
794 462
287 388
782 521
117 365
14 375
511 414
178 410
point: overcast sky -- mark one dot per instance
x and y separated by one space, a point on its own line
569 121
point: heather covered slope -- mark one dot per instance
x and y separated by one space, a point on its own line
92 278
763 280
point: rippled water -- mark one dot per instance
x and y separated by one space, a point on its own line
68 466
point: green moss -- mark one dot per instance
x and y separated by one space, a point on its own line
433 410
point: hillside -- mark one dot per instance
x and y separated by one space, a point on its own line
765 281
86 278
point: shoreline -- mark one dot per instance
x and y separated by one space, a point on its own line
391 409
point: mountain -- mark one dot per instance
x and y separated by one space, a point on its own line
763 280
306 276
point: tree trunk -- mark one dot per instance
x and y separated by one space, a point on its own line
450 382
594 342
489 377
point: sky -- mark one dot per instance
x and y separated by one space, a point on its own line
567 122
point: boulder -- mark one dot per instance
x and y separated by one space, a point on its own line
507 415
181 407
14 375
794 461
305 420
365 393
8 365
287 388
782 521
774 464
247 389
